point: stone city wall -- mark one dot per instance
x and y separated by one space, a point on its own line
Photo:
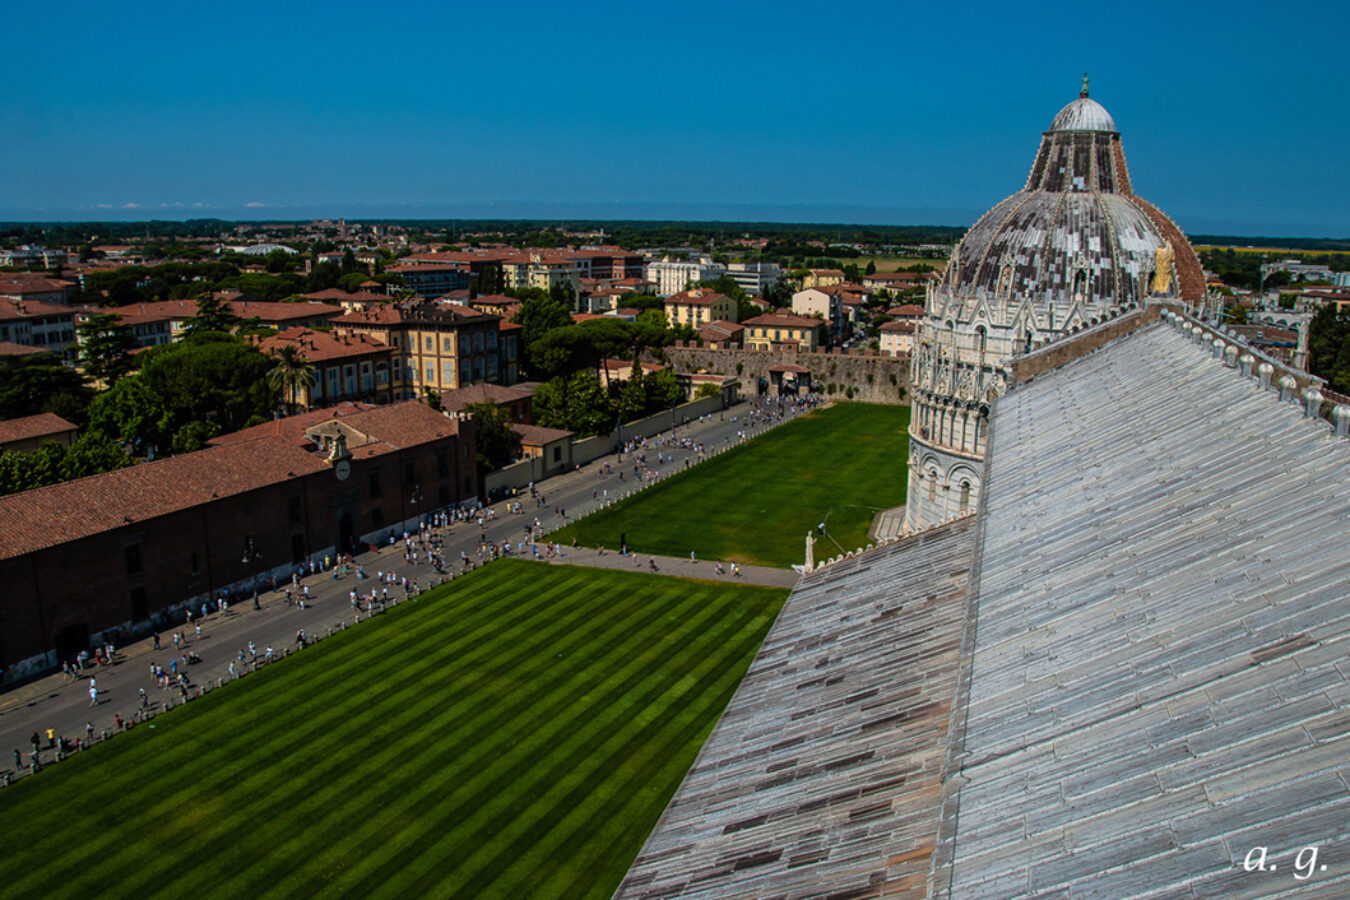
873 378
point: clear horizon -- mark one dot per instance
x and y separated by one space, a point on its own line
878 114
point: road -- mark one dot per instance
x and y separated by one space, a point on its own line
63 703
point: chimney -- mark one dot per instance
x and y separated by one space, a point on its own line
1230 354
1263 374
1245 362
1217 346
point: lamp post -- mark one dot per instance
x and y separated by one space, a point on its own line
252 558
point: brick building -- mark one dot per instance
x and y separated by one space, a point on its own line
111 551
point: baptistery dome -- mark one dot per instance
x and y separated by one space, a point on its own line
1070 250
1077 232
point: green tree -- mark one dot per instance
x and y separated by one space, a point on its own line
289 373
91 453
38 382
105 347
129 413
536 317
663 391
577 403
431 397
193 436
497 443
631 400
349 263
562 351
1329 347
871 267
213 315
323 276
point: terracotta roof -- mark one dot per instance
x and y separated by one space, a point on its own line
9 348
60 513
457 399
697 297
245 309
782 320
838 272
586 317
292 428
32 283
338 295
720 327
907 311
538 435
29 427
281 312
901 327
27 309
319 346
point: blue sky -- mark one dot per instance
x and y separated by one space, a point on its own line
1233 115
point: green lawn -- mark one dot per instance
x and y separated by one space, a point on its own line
839 465
513 734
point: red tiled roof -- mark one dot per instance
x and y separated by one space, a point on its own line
459 398
32 283
338 295
538 435
24 309
292 428
318 346
9 348
781 320
29 427
281 312
696 297
60 513
900 327
908 311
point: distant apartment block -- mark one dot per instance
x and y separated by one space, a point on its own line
429 280
673 276
754 278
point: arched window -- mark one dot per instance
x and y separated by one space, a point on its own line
981 340
965 497
932 485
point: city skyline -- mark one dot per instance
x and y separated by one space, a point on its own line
883 115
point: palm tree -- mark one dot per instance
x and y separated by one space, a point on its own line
291 372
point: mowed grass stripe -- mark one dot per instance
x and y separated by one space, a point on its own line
335 773
400 776
839 465
233 827
471 805
570 777
230 763
670 743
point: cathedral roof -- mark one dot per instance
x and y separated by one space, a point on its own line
1076 231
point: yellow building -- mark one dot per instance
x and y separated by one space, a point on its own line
698 307
777 331
821 277
442 348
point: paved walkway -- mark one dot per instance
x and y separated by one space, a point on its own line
62 704
682 568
